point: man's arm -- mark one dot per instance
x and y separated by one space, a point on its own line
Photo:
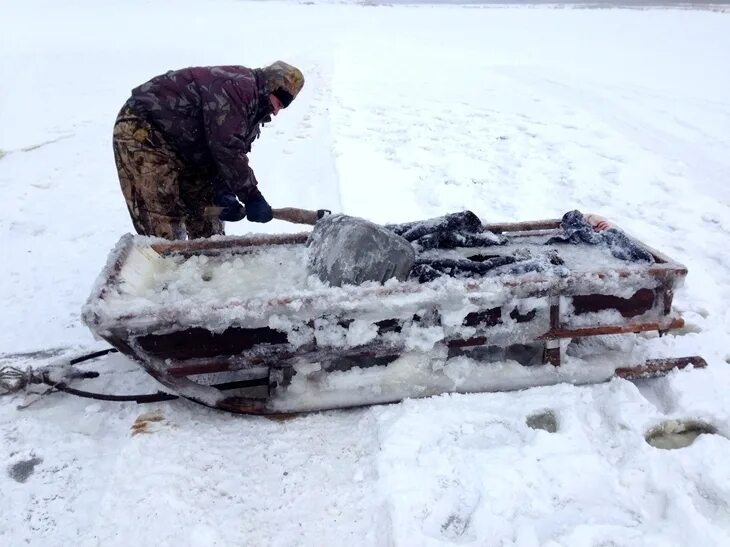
226 108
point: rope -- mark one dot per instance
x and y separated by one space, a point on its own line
14 379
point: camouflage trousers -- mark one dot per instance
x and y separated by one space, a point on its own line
165 198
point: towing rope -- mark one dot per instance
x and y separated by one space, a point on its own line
14 379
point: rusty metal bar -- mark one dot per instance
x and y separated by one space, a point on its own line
279 359
659 367
676 323
667 295
225 364
467 342
275 359
552 347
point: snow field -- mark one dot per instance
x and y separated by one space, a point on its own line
407 113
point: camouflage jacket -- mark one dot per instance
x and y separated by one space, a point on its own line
211 116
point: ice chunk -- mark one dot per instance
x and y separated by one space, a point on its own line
348 250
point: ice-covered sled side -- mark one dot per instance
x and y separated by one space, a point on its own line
236 324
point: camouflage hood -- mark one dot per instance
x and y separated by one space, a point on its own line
282 80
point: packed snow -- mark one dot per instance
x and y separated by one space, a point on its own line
266 272
408 112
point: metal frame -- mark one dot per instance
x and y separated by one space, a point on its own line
175 370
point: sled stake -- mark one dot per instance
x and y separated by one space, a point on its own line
288 214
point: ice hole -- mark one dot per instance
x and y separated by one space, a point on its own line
673 434
20 471
543 420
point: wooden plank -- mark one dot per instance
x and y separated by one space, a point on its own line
523 226
229 242
287 214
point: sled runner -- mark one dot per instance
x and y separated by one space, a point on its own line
236 323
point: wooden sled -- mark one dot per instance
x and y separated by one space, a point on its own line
315 347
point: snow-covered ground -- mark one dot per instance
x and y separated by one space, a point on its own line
408 112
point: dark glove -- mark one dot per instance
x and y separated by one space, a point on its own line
258 210
232 211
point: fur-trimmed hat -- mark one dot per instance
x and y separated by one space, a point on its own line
283 81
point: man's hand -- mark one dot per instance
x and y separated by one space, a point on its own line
232 211
258 210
